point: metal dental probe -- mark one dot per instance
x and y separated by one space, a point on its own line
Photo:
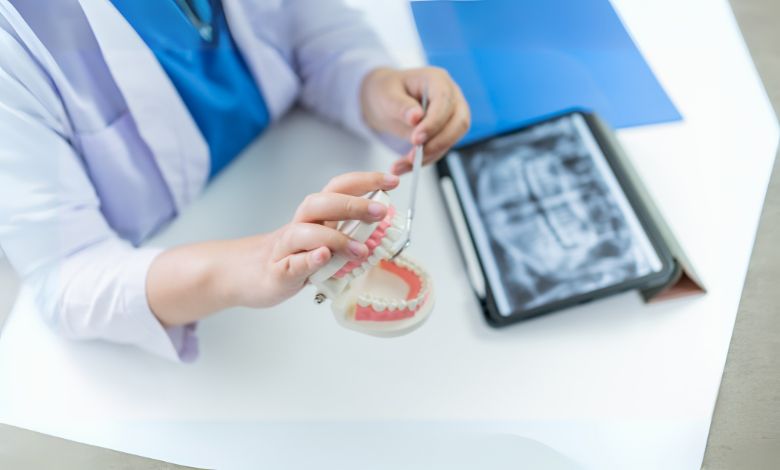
416 166
320 297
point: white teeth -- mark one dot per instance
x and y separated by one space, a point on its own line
388 245
381 252
374 259
380 305
393 233
398 221
363 268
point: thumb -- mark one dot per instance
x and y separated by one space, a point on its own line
302 265
405 108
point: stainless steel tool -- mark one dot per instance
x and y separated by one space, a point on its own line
416 167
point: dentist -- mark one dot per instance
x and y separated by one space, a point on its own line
114 115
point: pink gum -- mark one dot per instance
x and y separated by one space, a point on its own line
415 286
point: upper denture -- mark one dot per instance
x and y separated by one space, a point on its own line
372 243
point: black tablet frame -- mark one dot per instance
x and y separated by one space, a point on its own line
670 269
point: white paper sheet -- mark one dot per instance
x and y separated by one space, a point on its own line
612 384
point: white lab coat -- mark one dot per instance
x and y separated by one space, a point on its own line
91 283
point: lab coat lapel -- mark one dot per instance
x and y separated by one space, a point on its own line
41 88
257 28
162 118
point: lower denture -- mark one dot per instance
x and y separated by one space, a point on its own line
368 313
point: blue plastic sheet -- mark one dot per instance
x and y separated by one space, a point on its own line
519 60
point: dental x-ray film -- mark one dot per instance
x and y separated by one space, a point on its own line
548 216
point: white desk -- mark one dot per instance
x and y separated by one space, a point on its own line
613 384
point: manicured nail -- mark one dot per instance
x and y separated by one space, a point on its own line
408 115
318 256
358 249
376 210
391 180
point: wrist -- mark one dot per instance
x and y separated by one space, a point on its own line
184 285
234 274
220 275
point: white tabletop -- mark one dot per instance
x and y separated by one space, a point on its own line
612 384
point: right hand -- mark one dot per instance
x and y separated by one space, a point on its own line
187 283
265 270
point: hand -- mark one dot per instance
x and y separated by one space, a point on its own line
190 282
391 101
277 265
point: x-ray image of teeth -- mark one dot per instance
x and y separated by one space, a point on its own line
556 219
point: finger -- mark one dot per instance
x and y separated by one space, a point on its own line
298 267
394 109
404 108
401 166
443 99
321 207
300 237
449 136
437 147
360 183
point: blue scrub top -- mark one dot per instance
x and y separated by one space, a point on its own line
206 68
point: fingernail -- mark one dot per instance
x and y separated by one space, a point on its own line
358 249
421 138
391 180
409 115
318 256
376 209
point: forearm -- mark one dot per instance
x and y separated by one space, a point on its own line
334 49
186 284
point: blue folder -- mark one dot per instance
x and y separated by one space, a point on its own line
519 60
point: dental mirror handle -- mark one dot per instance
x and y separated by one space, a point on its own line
416 167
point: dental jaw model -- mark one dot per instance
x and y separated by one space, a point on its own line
384 294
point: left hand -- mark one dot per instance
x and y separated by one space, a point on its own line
391 101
